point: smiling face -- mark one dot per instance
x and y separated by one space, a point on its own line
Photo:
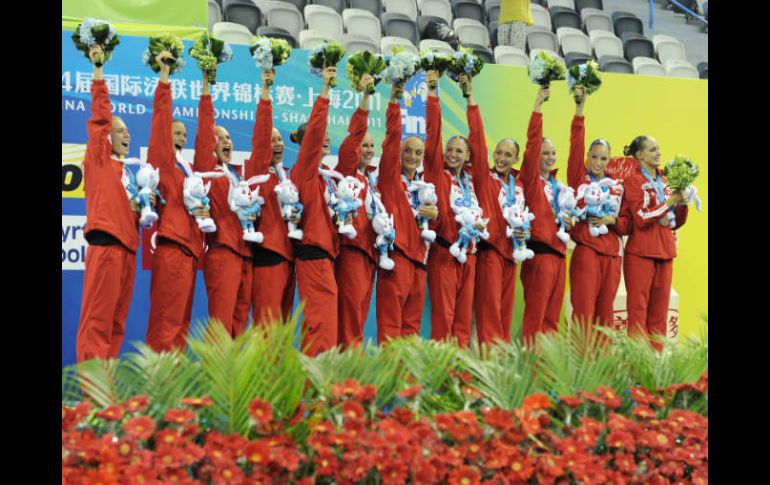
119 137
649 153
412 154
456 154
598 156
178 135
506 156
367 151
224 149
547 156
276 142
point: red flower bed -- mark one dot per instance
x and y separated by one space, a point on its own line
573 440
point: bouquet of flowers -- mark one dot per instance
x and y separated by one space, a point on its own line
543 69
585 75
365 62
160 43
325 54
210 52
402 65
269 52
464 62
93 32
680 172
434 61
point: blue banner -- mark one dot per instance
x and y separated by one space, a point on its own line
132 85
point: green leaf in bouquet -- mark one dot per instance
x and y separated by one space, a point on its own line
680 172
165 42
281 50
465 62
361 63
93 32
326 54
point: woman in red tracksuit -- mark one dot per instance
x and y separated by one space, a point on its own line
355 265
595 267
314 255
543 276
227 263
495 266
648 206
449 281
272 290
112 230
401 291
179 241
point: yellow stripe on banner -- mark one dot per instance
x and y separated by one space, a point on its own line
72 155
141 30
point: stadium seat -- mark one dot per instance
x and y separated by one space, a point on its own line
596 20
388 43
636 45
533 53
300 4
506 54
356 42
468 9
703 70
538 38
437 8
573 58
485 53
406 7
570 4
615 64
581 4
373 6
541 17
648 66
667 47
336 5
310 38
492 27
323 19
436 45
470 31
608 45
279 33
215 14
573 40
400 25
243 12
492 8
538 2
232 33
286 16
565 17
680 68
624 22
362 22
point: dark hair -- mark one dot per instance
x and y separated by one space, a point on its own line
515 143
600 141
636 145
297 135
467 143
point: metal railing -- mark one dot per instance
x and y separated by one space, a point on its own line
686 10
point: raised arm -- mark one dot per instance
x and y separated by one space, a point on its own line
350 149
160 154
530 167
434 157
576 168
206 138
262 135
311 148
100 123
391 147
478 142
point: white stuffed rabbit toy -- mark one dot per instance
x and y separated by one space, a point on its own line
288 198
567 209
472 228
690 196
194 194
345 202
518 218
384 227
599 203
147 180
426 194
245 203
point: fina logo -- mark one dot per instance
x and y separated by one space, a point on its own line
413 112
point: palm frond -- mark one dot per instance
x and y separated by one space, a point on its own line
504 373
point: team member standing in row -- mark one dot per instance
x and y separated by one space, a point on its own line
495 266
355 265
595 267
648 206
112 229
272 290
543 276
320 244
450 282
401 291
179 241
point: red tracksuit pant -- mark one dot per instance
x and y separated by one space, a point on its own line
172 286
269 289
594 280
543 279
228 286
494 294
107 289
648 291
400 299
318 292
287 305
354 272
451 295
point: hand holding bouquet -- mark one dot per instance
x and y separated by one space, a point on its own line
543 69
210 52
680 172
464 62
91 33
362 63
160 43
269 52
326 54
584 75
434 61
401 66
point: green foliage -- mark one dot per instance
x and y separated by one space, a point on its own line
585 75
361 63
503 374
680 172
165 42
101 33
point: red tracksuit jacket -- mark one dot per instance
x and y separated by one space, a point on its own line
174 222
393 190
609 244
319 230
349 155
643 210
271 224
229 232
107 205
544 226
